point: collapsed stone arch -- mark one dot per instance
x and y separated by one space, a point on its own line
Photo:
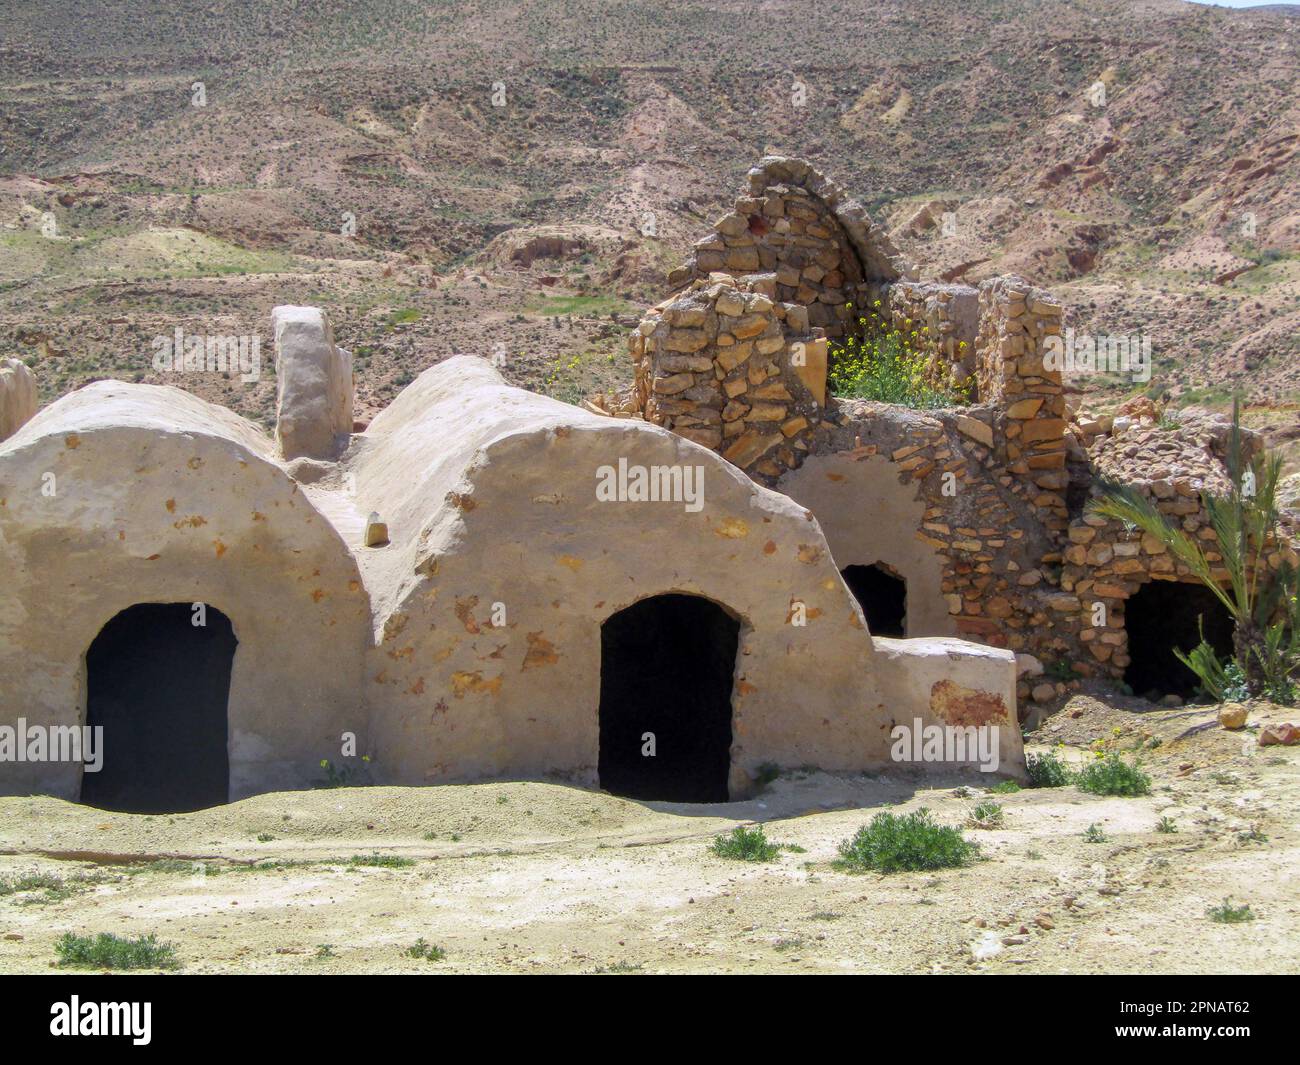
822 247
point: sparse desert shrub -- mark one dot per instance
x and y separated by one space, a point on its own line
381 861
423 949
44 888
746 845
1094 834
1166 825
107 951
1227 913
29 882
891 843
986 815
1046 771
1113 776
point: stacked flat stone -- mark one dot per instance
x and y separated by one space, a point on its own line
727 365
940 319
1014 320
1173 467
795 263
796 224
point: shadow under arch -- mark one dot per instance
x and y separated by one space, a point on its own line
158 684
667 667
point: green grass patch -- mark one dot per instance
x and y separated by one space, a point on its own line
1046 771
1227 913
425 950
402 316
107 951
1113 776
619 968
892 843
746 845
583 306
380 861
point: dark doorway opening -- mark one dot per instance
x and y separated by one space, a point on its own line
159 686
666 668
882 594
1163 615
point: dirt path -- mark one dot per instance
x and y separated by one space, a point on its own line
529 877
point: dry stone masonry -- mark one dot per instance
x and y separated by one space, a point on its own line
980 508
1106 563
730 367
799 226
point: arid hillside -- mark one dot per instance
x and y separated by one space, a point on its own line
517 177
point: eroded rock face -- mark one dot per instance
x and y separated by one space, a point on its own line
17 396
314 385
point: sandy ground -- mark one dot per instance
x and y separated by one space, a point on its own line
535 877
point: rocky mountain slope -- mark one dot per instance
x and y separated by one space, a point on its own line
514 178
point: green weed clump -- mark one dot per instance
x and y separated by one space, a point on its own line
1046 771
426 950
1113 776
1227 913
107 951
746 845
890 365
381 861
891 843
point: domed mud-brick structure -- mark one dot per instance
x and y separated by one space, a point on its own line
484 583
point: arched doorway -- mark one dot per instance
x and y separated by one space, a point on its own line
666 669
1161 616
158 684
882 594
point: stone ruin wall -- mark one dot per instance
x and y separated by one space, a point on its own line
730 367
737 361
942 319
1104 562
798 225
